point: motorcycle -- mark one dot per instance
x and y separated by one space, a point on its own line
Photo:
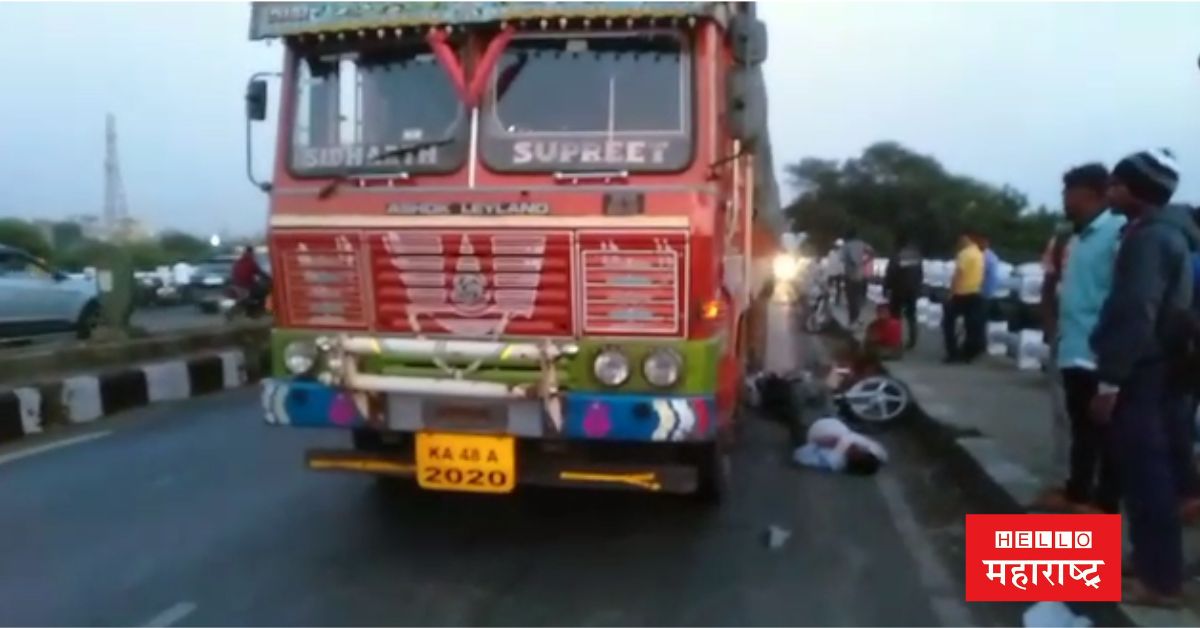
252 304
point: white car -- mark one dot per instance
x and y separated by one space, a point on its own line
36 299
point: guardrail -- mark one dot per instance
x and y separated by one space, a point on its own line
1026 347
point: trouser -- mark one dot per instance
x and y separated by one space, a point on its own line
1181 437
1141 434
968 308
905 307
837 285
1093 476
856 293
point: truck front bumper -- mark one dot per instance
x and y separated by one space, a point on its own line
624 417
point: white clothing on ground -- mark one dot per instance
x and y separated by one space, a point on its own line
819 453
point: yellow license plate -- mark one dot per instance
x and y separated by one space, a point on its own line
466 462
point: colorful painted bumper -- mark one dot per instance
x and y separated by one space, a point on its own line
586 416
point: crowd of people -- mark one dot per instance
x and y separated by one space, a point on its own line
1121 310
1121 320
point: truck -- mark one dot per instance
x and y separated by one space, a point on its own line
517 243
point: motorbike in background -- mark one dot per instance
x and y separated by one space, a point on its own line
252 304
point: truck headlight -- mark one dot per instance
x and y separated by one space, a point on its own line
611 367
662 367
300 357
786 267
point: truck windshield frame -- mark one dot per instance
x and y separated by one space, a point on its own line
619 100
399 96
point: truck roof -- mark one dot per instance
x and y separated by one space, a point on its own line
281 19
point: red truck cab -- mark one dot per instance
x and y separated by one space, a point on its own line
513 241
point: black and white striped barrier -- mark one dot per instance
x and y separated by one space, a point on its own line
29 410
1027 347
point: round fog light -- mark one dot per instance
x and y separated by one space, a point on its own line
663 367
611 367
300 357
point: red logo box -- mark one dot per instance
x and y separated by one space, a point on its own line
1035 558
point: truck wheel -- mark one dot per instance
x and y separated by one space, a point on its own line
89 319
715 468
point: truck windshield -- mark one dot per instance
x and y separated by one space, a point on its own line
353 108
620 101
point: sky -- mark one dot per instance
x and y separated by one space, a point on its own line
1011 93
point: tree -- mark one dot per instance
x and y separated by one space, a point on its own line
66 235
83 254
148 255
890 192
182 247
22 235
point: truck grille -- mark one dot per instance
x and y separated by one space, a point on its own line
323 278
473 283
633 282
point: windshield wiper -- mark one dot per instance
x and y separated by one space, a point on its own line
337 180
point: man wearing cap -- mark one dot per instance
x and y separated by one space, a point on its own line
1151 276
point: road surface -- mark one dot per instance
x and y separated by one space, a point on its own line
196 513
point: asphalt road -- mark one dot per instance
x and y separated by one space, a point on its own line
196 513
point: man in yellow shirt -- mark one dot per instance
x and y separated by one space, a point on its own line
966 304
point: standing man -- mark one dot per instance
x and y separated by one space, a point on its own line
1152 277
902 285
1087 276
965 303
854 255
991 279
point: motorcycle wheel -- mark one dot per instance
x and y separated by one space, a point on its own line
878 399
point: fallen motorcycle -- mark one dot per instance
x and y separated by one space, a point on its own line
873 398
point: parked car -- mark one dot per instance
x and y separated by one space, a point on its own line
36 299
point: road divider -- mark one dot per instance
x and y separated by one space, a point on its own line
39 362
58 401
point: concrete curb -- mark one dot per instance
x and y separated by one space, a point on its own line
76 399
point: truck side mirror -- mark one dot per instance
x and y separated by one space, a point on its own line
256 111
746 105
256 100
748 39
